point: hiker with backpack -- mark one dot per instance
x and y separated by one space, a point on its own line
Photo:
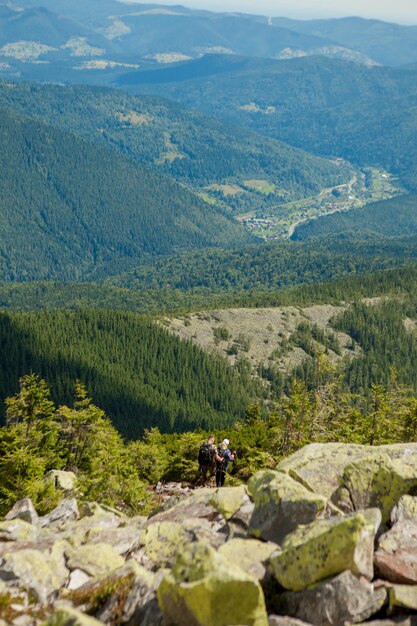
207 459
225 456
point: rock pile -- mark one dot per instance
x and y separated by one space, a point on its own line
328 538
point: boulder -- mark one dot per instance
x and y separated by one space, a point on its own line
214 533
228 500
66 511
344 599
406 509
24 510
196 506
320 466
281 504
323 549
77 579
134 603
17 530
376 481
124 539
63 481
94 559
41 573
163 540
250 555
203 589
402 597
396 556
67 616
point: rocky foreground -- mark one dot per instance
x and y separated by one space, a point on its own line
330 537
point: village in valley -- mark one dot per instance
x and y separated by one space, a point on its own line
280 221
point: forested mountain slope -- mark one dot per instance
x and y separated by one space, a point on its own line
328 107
179 142
253 275
389 218
145 377
70 209
140 374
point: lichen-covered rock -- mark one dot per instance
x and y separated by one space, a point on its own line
403 596
281 504
203 589
67 616
228 500
320 466
196 506
134 602
24 510
405 510
41 573
376 481
18 530
164 540
250 555
124 539
396 556
66 511
344 599
94 559
61 480
323 549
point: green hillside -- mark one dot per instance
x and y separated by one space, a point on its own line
245 276
72 210
216 158
389 218
143 376
325 106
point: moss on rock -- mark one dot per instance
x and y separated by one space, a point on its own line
203 589
323 549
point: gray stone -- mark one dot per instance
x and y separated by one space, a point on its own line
63 481
203 589
326 548
337 601
250 555
24 510
77 579
17 530
405 510
40 573
66 511
281 505
320 466
396 556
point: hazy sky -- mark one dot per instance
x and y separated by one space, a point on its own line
402 11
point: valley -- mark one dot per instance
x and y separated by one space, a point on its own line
281 221
208 233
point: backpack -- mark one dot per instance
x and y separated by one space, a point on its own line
206 454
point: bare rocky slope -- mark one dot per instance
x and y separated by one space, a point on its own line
327 538
265 336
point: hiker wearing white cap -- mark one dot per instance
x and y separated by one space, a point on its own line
221 466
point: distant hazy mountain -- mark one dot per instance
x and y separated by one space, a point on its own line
389 44
325 106
70 209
